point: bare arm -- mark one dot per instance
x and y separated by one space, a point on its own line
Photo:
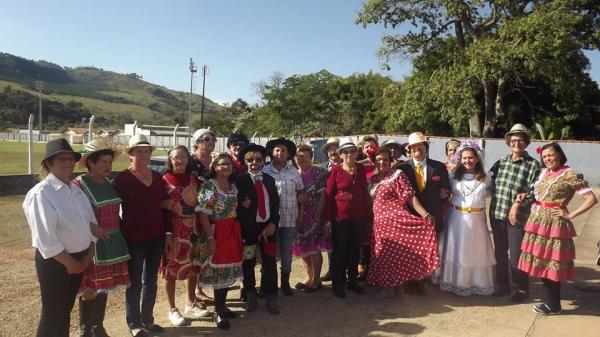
205 222
416 205
589 200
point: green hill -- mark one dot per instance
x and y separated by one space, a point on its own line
71 94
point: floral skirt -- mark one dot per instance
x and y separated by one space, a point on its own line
181 267
547 249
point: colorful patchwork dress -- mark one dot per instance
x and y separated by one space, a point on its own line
182 188
548 250
225 265
109 272
310 239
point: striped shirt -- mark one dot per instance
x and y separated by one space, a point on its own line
512 178
288 183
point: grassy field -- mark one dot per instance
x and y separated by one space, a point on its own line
13 158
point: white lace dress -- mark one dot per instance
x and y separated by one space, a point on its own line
467 256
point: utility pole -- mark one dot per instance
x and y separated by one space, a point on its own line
204 73
39 85
192 71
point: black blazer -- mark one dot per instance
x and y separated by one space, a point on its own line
436 180
247 216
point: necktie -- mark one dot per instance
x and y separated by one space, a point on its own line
260 198
420 177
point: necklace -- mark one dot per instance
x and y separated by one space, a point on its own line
224 188
465 189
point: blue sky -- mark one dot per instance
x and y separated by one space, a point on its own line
242 42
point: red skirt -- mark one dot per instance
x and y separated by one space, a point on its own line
228 239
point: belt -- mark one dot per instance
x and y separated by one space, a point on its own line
548 204
469 209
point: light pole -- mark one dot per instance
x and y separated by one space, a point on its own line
204 73
39 85
192 71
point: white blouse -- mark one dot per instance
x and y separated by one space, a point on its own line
59 216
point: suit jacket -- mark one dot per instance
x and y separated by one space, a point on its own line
437 179
247 216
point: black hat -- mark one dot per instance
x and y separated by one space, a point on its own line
237 136
291 147
57 146
252 148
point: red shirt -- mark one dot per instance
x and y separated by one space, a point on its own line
346 194
143 217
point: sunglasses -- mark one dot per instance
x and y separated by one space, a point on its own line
225 164
254 160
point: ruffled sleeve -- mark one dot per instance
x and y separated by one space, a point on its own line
577 183
207 198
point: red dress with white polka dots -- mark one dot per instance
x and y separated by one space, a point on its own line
404 245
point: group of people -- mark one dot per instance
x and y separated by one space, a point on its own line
391 222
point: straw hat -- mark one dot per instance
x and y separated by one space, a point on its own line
139 140
518 129
330 141
415 138
346 142
99 144
57 146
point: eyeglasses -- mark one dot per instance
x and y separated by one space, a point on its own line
225 164
207 139
254 160
515 141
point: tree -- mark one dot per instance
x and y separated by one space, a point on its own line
480 51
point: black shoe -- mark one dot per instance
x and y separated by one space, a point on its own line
251 301
140 333
285 284
356 288
300 286
326 277
339 292
544 309
243 295
519 296
99 331
261 294
221 322
228 314
154 328
272 305
502 291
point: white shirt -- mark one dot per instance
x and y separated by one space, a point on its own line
424 166
288 183
59 216
255 177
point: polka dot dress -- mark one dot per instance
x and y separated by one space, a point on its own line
404 245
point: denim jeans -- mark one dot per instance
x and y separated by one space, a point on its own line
143 273
285 240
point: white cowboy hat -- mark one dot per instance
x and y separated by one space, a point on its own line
139 140
201 132
415 138
330 141
99 144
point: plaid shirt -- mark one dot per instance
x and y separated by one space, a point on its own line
512 178
288 183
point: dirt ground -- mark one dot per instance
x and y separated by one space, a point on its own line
321 314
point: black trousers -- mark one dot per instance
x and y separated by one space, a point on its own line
268 271
552 293
91 315
58 290
507 239
220 298
346 251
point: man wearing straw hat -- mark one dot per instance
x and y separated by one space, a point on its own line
513 174
429 179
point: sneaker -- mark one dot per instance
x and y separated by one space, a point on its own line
195 311
176 318
154 327
221 322
544 309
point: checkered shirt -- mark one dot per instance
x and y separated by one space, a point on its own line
512 178
288 183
